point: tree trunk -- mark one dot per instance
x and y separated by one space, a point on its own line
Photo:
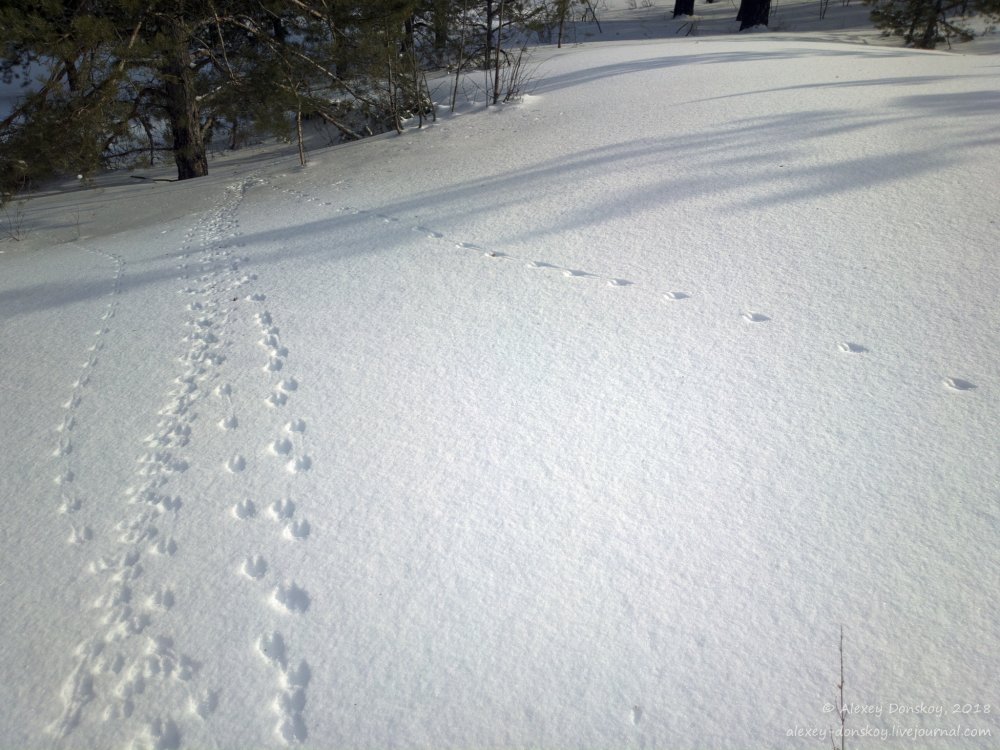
753 13
496 69
440 26
930 22
683 8
490 15
181 105
409 29
562 8
298 132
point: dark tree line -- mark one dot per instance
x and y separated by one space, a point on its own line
927 23
119 81
921 23
123 80
751 12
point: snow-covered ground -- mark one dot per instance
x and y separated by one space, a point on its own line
582 422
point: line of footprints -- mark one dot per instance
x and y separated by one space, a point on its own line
207 266
70 500
749 316
287 597
121 663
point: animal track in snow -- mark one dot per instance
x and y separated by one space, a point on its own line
281 447
277 398
245 509
298 530
81 534
255 567
290 701
166 546
958 384
272 648
124 610
287 597
161 734
851 348
205 703
291 597
281 388
490 253
282 509
162 599
292 726
236 464
298 677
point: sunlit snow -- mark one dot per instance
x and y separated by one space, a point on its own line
582 422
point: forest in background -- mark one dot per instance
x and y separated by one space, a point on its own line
114 83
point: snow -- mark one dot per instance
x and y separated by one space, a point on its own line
582 422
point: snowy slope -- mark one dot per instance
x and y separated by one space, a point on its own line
584 422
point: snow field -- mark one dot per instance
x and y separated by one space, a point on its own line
539 427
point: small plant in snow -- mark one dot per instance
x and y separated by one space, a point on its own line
840 705
515 77
13 217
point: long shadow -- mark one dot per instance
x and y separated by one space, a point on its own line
648 64
43 296
895 82
774 174
981 102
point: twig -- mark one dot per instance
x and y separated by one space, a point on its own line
841 706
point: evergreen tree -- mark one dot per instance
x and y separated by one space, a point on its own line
112 65
116 81
926 23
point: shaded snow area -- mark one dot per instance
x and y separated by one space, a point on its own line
585 422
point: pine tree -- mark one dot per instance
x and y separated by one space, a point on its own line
112 65
926 23
127 80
